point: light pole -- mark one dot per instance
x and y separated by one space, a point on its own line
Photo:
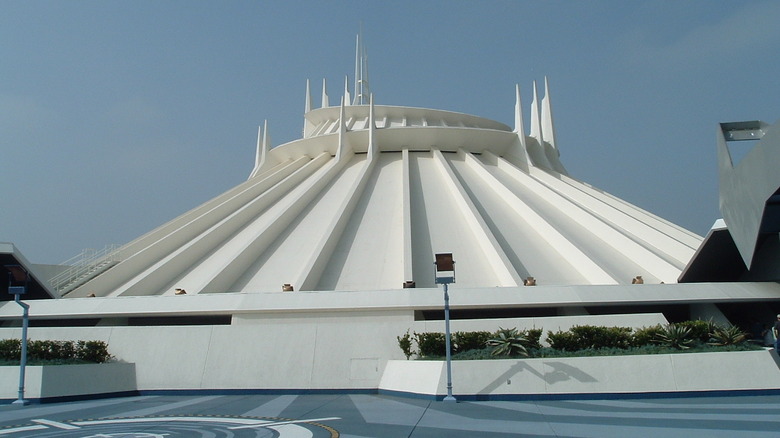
17 286
445 274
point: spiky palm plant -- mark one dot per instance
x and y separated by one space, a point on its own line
730 335
676 336
508 342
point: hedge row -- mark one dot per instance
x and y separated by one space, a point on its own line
53 351
584 339
433 344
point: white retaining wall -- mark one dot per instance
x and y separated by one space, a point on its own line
67 380
327 350
754 370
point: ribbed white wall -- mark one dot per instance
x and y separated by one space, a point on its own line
331 212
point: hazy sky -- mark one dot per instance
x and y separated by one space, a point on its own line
116 117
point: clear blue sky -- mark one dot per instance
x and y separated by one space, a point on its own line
116 117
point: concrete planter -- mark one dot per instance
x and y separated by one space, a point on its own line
68 381
662 373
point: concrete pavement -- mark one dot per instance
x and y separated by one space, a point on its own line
364 415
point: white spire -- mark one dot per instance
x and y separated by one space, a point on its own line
307 107
548 128
342 129
362 89
325 102
536 125
519 116
372 148
347 99
263 145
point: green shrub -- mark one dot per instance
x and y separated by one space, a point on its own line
533 339
430 344
563 341
700 331
51 350
579 341
595 337
10 349
92 351
647 336
508 342
405 342
590 337
55 351
465 341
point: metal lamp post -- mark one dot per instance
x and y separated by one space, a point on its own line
17 286
445 274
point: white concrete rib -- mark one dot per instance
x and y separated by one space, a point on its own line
407 217
234 256
672 246
184 255
311 271
504 272
582 222
153 246
369 253
576 258
685 236
280 263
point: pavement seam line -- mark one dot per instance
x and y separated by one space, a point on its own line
411 432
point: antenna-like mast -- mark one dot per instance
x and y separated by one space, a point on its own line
362 90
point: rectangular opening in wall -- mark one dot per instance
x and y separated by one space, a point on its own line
180 320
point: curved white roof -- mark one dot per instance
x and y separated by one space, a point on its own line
370 193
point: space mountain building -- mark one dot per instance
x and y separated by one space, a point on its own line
302 277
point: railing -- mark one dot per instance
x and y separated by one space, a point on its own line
84 267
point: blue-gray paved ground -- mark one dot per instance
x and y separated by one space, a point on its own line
357 416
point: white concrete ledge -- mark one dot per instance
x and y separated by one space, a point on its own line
662 373
64 381
398 299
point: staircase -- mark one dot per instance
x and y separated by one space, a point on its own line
84 267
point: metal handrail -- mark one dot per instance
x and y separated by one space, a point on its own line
89 260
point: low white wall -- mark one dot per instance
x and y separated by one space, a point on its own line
43 382
578 375
349 350
276 351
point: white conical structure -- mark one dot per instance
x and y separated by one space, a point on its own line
329 212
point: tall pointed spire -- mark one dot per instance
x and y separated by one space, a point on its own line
536 123
325 102
307 106
263 146
362 89
347 99
372 149
519 115
342 129
548 127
